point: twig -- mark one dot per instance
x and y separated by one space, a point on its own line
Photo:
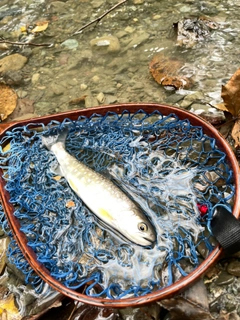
27 43
99 18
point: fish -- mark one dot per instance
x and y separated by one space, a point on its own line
104 198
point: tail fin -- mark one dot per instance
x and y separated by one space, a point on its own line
49 141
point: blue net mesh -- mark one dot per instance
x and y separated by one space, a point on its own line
166 165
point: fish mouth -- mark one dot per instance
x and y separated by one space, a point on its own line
150 241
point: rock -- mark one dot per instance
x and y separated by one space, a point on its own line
58 7
208 8
224 278
13 78
97 3
234 268
100 97
21 93
107 43
95 79
129 29
90 101
35 78
138 39
14 62
83 86
110 99
57 89
190 98
138 1
185 9
70 44
156 17
174 98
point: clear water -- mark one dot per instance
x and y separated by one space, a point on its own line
123 76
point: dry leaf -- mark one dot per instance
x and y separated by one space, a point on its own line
231 94
8 101
7 305
70 204
165 71
236 133
231 106
24 106
40 26
191 304
57 178
221 106
78 100
23 29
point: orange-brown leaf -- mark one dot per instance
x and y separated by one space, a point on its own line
70 204
236 133
231 94
8 101
221 106
165 70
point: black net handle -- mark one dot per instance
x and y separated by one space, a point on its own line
226 229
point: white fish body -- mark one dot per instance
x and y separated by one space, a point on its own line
102 196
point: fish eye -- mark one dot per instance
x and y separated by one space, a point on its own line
142 227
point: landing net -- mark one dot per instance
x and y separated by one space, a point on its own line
169 167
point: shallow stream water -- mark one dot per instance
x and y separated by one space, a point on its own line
82 67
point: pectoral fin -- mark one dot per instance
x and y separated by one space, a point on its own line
105 215
57 171
72 185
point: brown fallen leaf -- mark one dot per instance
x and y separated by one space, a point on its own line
236 133
165 71
78 100
40 26
8 101
192 304
231 106
24 106
231 94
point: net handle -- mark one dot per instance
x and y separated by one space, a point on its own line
226 229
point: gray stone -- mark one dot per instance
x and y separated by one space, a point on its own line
224 279
97 3
13 78
110 99
234 268
70 44
58 7
174 98
137 39
106 44
57 89
190 98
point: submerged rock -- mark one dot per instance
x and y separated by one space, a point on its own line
70 44
13 62
107 43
